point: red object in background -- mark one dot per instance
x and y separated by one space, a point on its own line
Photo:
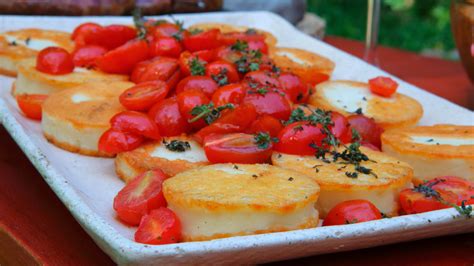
25 198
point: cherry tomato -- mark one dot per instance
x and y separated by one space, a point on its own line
294 87
206 55
54 61
205 40
258 45
165 30
189 99
267 124
228 54
235 148
85 56
383 86
270 103
299 138
159 68
341 129
352 211
222 72
115 141
143 96
140 196
263 79
137 123
233 93
110 37
236 120
186 60
79 34
123 59
161 226
30 104
451 190
166 46
202 83
168 118
230 38
368 130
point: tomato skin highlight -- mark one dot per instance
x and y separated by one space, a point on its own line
161 226
297 137
383 86
110 37
80 32
166 46
352 211
85 56
54 61
206 40
189 99
168 118
140 196
158 68
232 93
294 87
143 96
115 141
271 103
136 123
262 78
165 30
235 148
30 105
367 128
123 59
203 83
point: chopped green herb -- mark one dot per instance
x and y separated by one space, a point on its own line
263 140
358 111
221 78
208 112
177 145
240 46
197 67
195 31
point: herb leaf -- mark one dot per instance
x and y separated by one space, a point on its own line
263 140
197 67
208 112
177 145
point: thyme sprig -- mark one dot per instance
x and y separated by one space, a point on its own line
263 140
208 112
197 67
221 78
177 145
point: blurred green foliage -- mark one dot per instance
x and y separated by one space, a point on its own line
407 24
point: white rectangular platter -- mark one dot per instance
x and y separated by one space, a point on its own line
88 185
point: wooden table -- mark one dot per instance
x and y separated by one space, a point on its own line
36 228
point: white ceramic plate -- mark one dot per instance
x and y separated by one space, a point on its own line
87 185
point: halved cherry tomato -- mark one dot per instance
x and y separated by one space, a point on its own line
54 61
352 211
161 226
340 128
165 30
222 72
236 120
368 130
140 196
123 59
79 34
168 118
111 36
166 46
267 124
202 83
85 56
438 193
143 96
269 102
159 68
205 40
115 141
187 100
137 123
262 78
299 138
235 148
30 104
294 87
232 93
383 86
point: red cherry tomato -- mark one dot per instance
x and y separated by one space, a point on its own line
341 129
136 123
161 226
293 87
140 196
383 86
110 37
267 124
186 60
168 118
187 100
299 138
236 120
368 130
166 46
115 141
143 96
258 45
230 38
159 68
123 59
451 190
165 30
79 34
228 54
205 40
232 93
235 148
30 104
352 211
202 83
262 78
54 61
222 72
85 56
270 103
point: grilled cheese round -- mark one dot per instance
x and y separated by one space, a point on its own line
224 200
26 43
161 155
433 151
340 181
347 97
74 119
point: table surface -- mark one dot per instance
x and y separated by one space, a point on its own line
36 228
